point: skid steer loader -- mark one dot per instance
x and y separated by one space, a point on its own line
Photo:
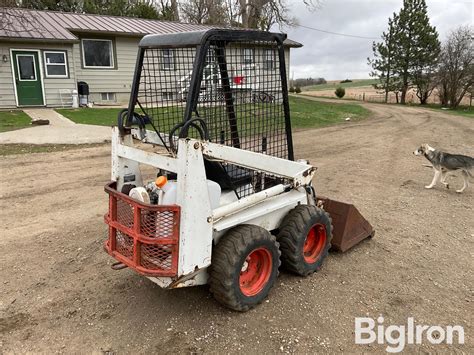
231 204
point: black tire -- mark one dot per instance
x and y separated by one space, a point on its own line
300 255
247 246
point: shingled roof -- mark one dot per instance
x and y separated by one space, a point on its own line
25 24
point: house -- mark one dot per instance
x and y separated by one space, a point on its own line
44 54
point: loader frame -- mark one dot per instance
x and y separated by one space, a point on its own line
200 227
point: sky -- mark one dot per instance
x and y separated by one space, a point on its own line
338 57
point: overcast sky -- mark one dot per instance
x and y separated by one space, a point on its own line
337 57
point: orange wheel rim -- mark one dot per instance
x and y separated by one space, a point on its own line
314 243
255 271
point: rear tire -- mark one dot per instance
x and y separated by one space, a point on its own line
305 238
244 267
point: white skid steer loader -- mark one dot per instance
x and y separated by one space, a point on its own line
230 203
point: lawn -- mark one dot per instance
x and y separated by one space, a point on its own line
305 113
333 85
95 116
11 120
466 111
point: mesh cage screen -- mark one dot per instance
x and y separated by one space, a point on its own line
164 86
240 99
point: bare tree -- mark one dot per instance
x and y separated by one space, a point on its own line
205 12
258 14
425 81
456 72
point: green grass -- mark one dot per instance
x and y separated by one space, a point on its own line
465 111
13 149
94 116
305 113
329 86
11 120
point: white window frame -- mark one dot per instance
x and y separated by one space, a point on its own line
269 56
108 96
252 56
18 67
168 94
163 51
112 59
58 64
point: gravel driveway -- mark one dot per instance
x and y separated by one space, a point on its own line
59 294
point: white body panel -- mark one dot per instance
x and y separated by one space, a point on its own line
200 225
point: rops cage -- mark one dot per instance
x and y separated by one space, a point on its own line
226 86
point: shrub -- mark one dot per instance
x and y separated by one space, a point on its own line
292 89
340 92
297 89
346 81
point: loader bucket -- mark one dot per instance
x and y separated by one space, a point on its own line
350 227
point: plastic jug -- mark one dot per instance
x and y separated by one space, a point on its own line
169 192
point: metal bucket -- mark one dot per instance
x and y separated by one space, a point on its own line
350 227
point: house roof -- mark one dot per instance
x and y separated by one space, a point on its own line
25 24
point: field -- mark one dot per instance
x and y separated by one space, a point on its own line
332 85
59 294
362 90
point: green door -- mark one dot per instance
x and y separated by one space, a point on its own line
27 78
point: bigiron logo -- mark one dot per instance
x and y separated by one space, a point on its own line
397 336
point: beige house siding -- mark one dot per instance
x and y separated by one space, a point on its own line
51 86
117 80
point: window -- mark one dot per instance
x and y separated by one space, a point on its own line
26 67
269 59
97 53
55 64
167 96
168 59
248 56
107 96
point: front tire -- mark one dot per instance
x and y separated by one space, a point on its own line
305 238
244 267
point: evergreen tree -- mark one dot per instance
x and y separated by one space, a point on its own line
408 51
416 46
383 63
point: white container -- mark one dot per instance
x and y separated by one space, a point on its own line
75 99
139 194
169 193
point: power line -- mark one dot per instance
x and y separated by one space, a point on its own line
335 33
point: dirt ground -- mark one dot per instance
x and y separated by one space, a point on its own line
59 294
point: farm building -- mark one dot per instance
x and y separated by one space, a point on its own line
45 54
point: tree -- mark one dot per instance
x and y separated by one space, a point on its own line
408 50
258 14
212 12
456 71
340 92
417 45
425 82
383 62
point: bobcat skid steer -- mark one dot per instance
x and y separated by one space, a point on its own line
231 204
